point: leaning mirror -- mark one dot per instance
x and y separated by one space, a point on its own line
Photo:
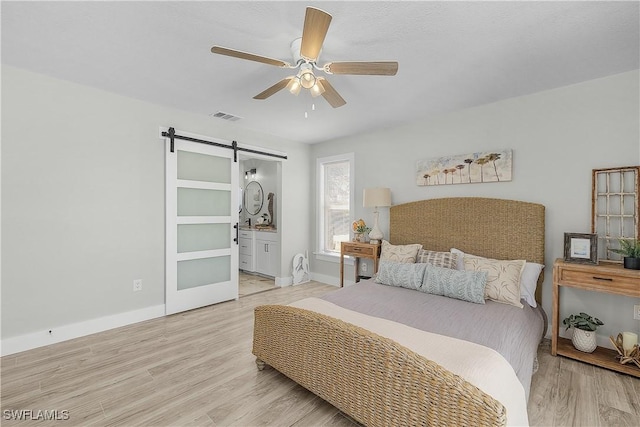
253 198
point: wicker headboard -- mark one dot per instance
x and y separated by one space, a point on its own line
493 228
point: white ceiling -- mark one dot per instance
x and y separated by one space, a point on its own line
451 55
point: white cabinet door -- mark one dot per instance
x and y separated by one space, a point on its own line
246 254
262 256
273 259
247 250
245 246
267 253
246 263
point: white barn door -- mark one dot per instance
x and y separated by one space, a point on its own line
201 225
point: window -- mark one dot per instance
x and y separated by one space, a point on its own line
335 180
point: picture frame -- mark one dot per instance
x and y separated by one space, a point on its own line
581 248
615 208
479 167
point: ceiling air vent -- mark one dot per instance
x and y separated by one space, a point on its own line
225 116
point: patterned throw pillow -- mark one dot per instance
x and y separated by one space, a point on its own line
402 274
399 253
528 278
463 285
503 278
439 259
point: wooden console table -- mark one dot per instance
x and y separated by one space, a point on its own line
606 277
358 250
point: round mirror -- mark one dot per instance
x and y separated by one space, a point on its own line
253 198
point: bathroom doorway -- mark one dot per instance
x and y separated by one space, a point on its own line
259 219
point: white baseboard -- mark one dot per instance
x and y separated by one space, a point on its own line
284 281
329 280
75 330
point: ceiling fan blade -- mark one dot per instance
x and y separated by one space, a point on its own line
249 56
330 94
381 68
316 25
273 89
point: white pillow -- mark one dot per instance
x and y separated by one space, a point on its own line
528 279
399 253
529 282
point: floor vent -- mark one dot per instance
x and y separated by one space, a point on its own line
225 116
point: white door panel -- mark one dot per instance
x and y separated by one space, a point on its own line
201 226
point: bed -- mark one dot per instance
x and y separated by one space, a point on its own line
389 355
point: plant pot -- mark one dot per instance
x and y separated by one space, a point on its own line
584 340
632 263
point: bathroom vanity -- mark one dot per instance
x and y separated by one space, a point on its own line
259 250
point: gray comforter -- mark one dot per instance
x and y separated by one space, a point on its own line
513 332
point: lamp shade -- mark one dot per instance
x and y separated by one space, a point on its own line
376 197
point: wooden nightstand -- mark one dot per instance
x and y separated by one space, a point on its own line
606 277
358 250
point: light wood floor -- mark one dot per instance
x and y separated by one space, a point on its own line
196 368
252 283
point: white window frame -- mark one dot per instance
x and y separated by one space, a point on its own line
322 253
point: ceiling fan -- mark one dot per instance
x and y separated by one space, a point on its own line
305 53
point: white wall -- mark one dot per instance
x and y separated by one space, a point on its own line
557 137
83 200
83 193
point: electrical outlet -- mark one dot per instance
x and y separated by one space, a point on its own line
364 267
636 312
137 285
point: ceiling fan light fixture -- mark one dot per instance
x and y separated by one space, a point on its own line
317 89
294 85
307 78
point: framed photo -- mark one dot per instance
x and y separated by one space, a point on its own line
581 248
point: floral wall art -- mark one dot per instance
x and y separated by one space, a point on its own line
484 166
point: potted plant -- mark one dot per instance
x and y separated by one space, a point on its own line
584 331
630 250
360 230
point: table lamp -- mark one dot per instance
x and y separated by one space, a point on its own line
376 198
